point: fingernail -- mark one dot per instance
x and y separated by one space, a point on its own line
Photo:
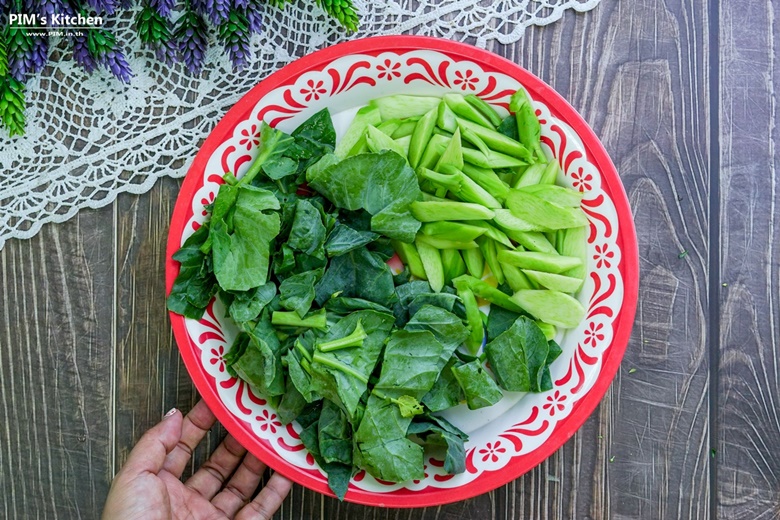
171 412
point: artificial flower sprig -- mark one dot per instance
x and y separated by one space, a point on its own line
177 31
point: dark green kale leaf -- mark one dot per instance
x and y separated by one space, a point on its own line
261 363
546 382
292 403
297 292
344 305
381 183
342 375
195 284
411 364
381 446
308 232
335 434
477 385
244 224
446 391
344 239
247 305
499 320
447 328
438 432
358 274
517 356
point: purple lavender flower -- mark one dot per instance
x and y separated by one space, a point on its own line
240 4
39 53
234 35
192 39
115 61
107 6
239 52
166 51
254 18
81 54
50 7
20 48
164 7
198 6
217 10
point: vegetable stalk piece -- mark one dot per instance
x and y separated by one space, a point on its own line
490 160
528 128
403 106
483 107
368 115
457 231
488 248
461 107
421 135
431 211
431 261
486 291
354 339
378 141
549 263
496 141
488 179
443 243
314 320
550 216
461 186
473 315
551 307
453 264
410 257
446 118
475 262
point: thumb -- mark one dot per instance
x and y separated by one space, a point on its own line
149 453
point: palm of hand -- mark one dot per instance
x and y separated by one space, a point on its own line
149 487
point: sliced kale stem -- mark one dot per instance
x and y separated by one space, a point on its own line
305 353
337 365
306 365
354 339
316 320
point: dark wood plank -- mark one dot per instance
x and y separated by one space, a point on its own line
151 377
748 485
55 360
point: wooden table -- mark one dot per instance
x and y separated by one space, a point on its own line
682 94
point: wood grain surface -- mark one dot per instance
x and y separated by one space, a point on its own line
88 361
748 436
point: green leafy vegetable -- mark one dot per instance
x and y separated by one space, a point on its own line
381 445
297 292
477 385
242 230
342 375
437 431
518 356
383 184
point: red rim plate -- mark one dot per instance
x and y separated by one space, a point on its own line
627 242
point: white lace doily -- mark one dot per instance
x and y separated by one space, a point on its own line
90 138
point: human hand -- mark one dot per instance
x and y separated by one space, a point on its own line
148 486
